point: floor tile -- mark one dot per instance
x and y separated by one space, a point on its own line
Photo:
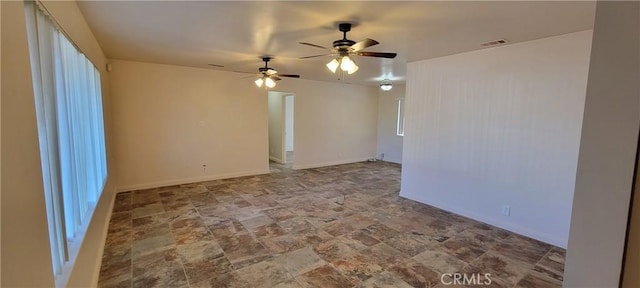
267 231
440 261
385 279
381 232
326 276
227 228
231 279
356 266
468 246
522 248
148 209
300 261
537 281
292 283
407 244
489 230
333 249
200 250
187 236
123 238
152 245
264 274
552 264
177 204
364 237
337 226
241 249
116 273
504 270
384 255
416 274
204 268
159 269
256 221
279 214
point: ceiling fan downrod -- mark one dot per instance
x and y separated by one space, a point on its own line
344 42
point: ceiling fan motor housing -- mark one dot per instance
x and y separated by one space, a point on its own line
345 47
266 68
344 43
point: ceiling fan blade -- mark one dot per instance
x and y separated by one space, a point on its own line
271 72
363 44
275 78
289 75
313 56
314 45
377 54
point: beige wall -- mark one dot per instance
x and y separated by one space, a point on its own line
276 126
170 120
607 149
26 259
388 141
499 127
334 123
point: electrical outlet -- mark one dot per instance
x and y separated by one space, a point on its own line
506 210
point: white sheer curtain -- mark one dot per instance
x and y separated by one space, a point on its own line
70 129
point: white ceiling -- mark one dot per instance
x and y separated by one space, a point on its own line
236 33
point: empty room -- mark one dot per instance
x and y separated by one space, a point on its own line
320 144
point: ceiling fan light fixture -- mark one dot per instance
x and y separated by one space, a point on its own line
333 65
259 82
345 47
269 82
347 64
386 85
353 69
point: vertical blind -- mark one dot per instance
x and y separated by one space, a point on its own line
70 130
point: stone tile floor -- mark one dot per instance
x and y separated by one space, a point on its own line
339 226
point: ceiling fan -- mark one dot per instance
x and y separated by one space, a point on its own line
268 76
344 48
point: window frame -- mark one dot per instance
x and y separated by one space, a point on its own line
400 103
71 133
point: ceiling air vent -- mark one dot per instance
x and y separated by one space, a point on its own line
495 42
216 65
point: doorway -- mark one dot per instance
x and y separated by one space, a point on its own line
288 129
281 127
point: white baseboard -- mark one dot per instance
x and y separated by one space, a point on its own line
277 160
330 163
541 236
391 161
189 180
